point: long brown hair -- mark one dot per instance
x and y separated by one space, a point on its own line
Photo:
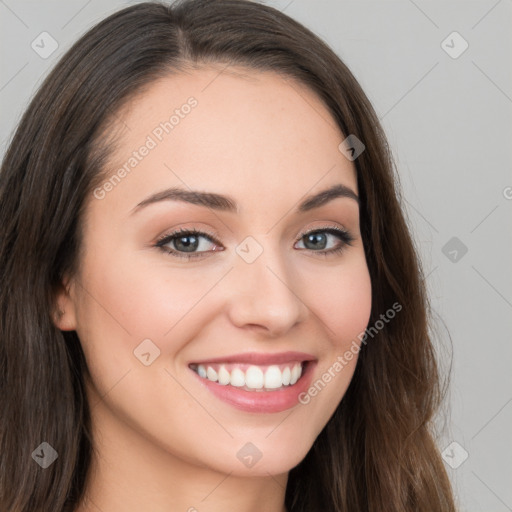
378 450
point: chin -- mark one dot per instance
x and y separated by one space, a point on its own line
261 459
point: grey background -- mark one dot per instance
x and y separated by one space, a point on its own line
449 125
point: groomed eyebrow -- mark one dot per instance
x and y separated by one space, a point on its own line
228 204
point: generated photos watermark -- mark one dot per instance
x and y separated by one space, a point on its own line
156 136
343 360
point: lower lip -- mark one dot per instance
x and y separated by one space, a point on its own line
261 401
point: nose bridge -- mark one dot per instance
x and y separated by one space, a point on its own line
263 291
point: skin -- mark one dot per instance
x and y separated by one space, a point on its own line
162 441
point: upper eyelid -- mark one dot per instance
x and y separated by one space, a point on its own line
188 231
323 228
167 238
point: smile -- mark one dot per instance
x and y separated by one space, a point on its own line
250 377
256 382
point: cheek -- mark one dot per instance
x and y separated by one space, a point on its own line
343 308
128 300
131 297
343 302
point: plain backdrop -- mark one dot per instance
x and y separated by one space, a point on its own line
439 76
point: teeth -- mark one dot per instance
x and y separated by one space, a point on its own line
286 376
273 377
211 374
201 371
252 377
223 376
237 378
295 375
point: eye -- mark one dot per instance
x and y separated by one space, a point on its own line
318 240
192 243
187 243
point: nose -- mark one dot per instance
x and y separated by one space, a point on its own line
264 296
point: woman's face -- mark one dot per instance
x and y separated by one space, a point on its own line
258 293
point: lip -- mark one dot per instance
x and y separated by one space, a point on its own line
271 401
261 359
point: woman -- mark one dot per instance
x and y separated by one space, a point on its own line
210 298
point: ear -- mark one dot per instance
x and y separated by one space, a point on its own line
64 310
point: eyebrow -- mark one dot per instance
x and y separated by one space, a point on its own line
228 204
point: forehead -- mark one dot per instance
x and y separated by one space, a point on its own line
229 127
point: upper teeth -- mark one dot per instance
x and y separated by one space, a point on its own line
251 377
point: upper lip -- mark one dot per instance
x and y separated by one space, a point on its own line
258 358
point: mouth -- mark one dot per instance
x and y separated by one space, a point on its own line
256 382
252 377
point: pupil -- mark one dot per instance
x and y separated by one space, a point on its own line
318 240
188 246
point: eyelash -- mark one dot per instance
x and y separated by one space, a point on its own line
345 237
